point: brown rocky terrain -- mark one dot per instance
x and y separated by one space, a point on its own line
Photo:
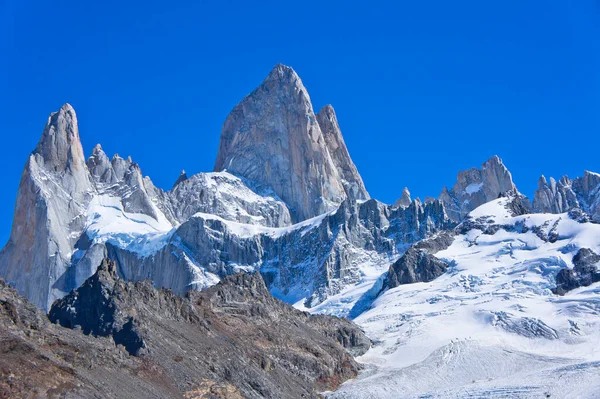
120 339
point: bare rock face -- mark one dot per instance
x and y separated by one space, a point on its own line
554 197
586 271
351 180
405 200
565 195
53 195
415 266
475 187
234 334
273 138
588 193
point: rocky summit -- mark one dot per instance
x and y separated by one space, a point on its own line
273 137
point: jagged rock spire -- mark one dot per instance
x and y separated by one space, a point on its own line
476 186
54 192
182 177
405 200
273 138
554 197
351 180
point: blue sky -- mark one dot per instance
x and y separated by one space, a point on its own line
421 89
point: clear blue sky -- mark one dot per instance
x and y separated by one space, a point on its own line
422 89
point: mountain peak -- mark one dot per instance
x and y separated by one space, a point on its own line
283 73
405 200
273 138
60 146
182 177
476 186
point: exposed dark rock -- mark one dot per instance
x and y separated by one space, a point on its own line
584 272
182 177
234 333
415 266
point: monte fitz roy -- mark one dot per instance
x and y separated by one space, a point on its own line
482 291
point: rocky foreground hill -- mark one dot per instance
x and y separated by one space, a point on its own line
118 339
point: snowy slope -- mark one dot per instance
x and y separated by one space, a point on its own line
490 326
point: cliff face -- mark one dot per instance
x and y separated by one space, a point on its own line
273 137
54 192
564 195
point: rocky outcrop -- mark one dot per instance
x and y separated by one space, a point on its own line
565 195
229 197
415 266
122 178
475 187
554 197
585 271
273 138
587 189
182 177
405 200
234 334
53 195
232 342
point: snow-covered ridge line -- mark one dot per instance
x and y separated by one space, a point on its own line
244 230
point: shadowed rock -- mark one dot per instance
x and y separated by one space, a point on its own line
584 272
234 333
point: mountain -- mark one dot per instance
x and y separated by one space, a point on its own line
558 197
120 339
54 193
404 200
273 137
475 187
478 293
211 225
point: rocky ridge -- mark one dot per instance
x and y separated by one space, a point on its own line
566 194
475 187
232 341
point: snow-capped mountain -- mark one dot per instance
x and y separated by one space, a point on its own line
285 199
479 293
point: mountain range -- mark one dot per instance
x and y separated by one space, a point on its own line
466 293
